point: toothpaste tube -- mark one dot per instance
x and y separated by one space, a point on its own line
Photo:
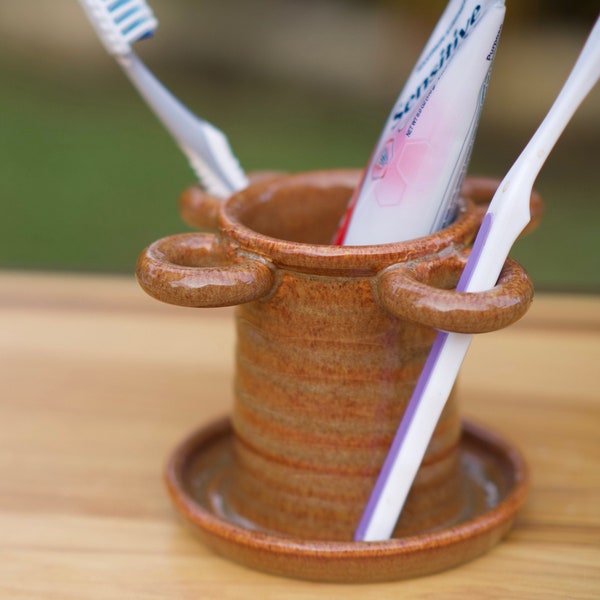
411 185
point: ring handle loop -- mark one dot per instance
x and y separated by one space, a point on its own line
423 293
197 270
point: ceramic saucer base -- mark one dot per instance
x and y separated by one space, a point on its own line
494 470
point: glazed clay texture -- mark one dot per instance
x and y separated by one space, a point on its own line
330 343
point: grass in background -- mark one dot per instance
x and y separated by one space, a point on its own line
88 177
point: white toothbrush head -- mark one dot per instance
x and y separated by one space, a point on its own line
119 23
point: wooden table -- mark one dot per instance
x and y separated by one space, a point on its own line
99 383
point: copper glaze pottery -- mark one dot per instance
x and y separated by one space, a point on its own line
330 343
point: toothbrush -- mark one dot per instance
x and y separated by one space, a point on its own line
119 23
507 216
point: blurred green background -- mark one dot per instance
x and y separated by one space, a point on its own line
88 177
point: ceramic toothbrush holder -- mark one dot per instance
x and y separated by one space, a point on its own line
330 343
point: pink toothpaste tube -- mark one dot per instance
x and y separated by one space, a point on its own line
411 185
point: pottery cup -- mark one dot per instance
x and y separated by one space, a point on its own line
330 343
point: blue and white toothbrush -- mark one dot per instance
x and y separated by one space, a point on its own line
507 216
119 23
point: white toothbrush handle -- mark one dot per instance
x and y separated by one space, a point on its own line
507 215
412 437
205 146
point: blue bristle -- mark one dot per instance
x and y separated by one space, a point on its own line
127 14
134 11
117 4
132 26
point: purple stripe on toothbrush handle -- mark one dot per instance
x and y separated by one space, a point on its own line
415 400
480 240
400 435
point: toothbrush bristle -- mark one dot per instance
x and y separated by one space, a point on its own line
121 22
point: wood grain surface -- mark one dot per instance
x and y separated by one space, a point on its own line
98 383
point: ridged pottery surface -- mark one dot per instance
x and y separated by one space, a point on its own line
330 343
323 376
